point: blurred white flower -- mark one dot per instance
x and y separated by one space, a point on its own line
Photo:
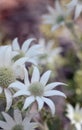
17 123
56 17
8 72
37 90
78 7
75 115
26 53
49 52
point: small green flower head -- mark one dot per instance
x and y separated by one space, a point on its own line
36 89
18 127
60 19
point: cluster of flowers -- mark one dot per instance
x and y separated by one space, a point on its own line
58 17
16 84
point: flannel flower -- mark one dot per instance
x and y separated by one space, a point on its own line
75 115
78 7
17 123
26 53
7 72
56 17
37 90
49 52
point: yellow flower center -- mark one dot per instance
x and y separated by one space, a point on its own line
7 76
18 127
77 117
36 89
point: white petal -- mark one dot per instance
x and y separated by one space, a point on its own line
78 10
4 125
56 26
28 102
1 55
26 78
7 56
27 119
53 85
27 43
78 126
8 96
58 7
77 107
1 89
17 85
19 71
30 126
20 61
33 51
54 93
8 119
72 3
35 75
51 10
40 102
34 125
45 77
15 45
50 104
70 111
22 92
32 60
17 116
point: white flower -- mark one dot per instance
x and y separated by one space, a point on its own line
37 90
7 72
26 53
17 123
78 7
56 17
75 115
49 52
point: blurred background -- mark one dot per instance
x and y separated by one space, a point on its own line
62 50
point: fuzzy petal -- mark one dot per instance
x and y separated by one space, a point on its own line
78 11
26 44
8 119
7 56
54 93
53 85
72 3
50 104
45 77
17 85
40 102
17 116
31 60
78 126
26 78
20 61
30 126
28 102
4 125
35 75
1 90
8 96
22 92
33 51
15 45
